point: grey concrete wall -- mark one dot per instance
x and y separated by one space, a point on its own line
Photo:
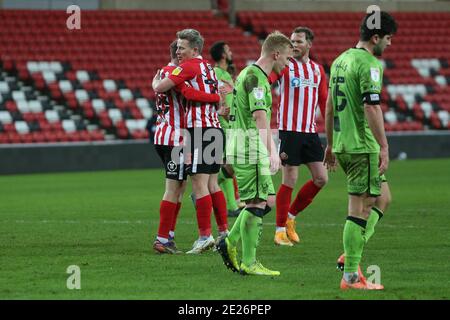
337 5
141 154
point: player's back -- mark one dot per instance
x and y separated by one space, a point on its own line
355 75
170 114
252 92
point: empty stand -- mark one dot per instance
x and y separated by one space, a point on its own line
417 69
60 85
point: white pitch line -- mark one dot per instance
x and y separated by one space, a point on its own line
103 221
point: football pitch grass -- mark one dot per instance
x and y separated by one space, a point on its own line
105 223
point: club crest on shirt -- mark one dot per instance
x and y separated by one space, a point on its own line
375 74
258 93
171 166
177 71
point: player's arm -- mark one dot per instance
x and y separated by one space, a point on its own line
161 85
329 159
265 133
371 76
375 121
196 95
323 92
178 75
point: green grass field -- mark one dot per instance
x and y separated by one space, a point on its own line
105 223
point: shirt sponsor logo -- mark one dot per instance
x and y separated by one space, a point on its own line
177 71
258 93
375 74
302 82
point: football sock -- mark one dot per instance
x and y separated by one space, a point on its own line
166 213
375 216
351 277
283 201
251 229
220 210
304 197
235 232
174 222
353 239
204 208
228 190
291 216
283 229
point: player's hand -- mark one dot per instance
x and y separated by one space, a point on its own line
330 159
275 162
223 110
156 79
226 88
384 160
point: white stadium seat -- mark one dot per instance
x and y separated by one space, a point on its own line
55 66
18 95
109 85
5 117
33 67
49 76
142 103
51 116
98 105
115 115
427 108
147 113
35 106
69 125
4 87
126 94
82 76
444 117
23 106
390 116
65 86
81 95
21 127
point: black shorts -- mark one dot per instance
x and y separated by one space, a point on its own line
298 148
207 147
174 166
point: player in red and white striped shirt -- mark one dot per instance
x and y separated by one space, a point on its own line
203 126
168 141
303 87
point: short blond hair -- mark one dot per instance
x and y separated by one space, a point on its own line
193 37
276 41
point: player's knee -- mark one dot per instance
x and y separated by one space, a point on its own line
290 180
383 202
271 201
320 181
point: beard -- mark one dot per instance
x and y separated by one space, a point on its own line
377 51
